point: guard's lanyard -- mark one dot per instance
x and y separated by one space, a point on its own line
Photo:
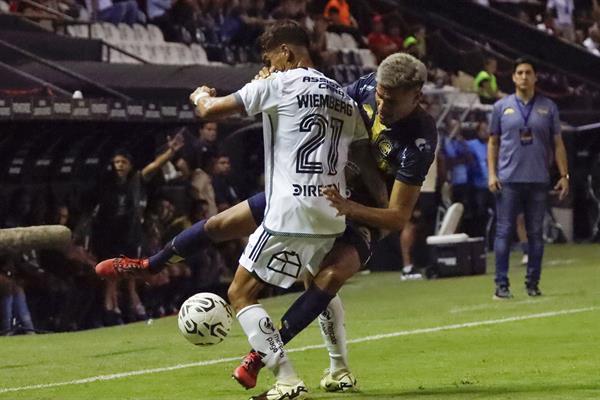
525 112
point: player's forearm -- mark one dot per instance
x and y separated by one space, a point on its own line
215 107
392 219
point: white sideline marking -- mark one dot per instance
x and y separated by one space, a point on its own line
498 305
300 349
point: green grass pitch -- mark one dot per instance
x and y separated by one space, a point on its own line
447 340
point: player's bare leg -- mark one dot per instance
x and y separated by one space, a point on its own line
263 337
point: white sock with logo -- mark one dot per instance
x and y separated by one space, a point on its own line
265 339
333 330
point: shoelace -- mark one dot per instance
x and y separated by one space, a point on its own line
124 264
250 360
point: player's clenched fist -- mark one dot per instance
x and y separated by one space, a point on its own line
202 91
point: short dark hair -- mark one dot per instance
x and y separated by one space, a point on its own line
124 153
284 31
523 60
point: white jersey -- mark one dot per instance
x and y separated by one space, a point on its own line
308 125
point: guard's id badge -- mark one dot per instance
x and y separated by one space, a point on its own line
526 136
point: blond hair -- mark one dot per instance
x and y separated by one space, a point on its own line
401 70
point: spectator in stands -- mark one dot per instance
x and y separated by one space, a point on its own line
117 225
395 34
479 193
563 11
126 11
225 194
420 225
457 157
485 82
207 146
74 265
179 20
380 43
13 303
290 9
525 127
592 42
416 44
547 24
236 26
318 44
338 12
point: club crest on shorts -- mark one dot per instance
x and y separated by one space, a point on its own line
286 262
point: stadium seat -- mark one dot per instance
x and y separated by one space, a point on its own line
141 33
135 49
334 41
111 33
97 31
368 58
199 54
348 41
183 53
79 31
155 35
451 219
153 53
126 33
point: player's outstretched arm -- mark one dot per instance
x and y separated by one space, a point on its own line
211 107
394 217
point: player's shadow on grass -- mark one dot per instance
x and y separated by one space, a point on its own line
473 389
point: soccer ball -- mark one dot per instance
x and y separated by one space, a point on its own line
205 319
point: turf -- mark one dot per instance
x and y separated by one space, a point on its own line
547 357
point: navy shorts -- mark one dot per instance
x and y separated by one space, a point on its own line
358 236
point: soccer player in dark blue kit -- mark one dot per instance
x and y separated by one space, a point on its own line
403 142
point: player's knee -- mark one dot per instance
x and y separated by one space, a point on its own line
214 227
332 278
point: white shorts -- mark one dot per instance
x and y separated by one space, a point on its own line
281 260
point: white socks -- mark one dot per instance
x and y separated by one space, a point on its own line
264 338
331 322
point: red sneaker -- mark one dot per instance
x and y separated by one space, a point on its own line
247 373
120 266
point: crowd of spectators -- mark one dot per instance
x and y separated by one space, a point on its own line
575 21
131 212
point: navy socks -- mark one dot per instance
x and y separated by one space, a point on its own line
183 245
304 310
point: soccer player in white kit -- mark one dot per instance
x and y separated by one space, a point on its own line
309 123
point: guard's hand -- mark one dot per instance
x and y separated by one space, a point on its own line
563 187
494 184
337 201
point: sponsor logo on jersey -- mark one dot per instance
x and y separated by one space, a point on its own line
311 190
